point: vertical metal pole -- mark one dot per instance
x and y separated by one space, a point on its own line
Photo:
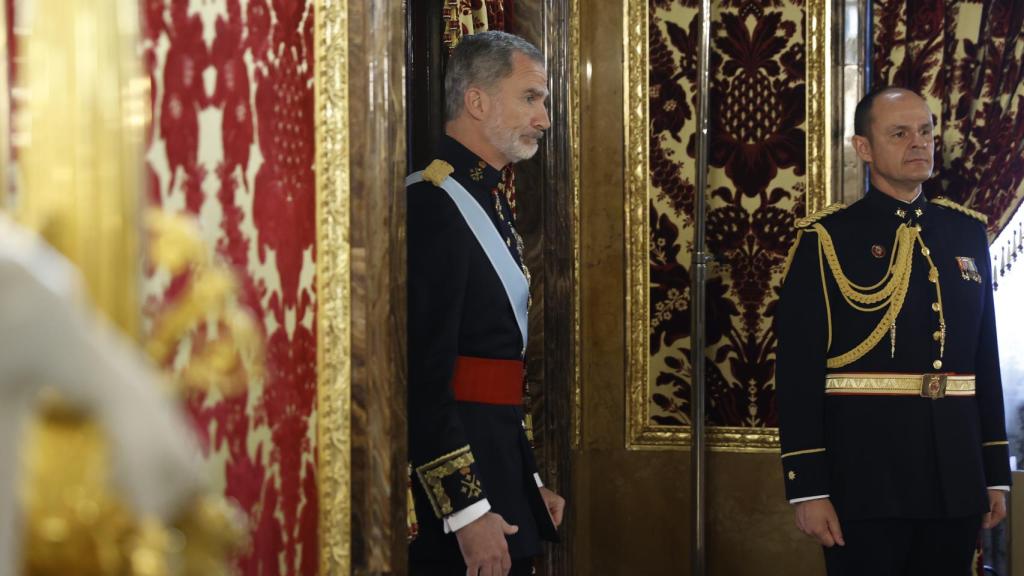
698 277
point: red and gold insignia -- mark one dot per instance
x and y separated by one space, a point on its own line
878 251
933 386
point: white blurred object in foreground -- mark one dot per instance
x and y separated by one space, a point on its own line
49 338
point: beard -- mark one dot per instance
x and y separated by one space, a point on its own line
515 144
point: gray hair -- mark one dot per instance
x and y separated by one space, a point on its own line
482 60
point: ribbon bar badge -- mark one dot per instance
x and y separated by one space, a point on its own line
968 270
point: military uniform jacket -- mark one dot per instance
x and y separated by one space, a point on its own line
881 456
462 452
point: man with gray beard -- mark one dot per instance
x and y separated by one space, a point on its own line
481 506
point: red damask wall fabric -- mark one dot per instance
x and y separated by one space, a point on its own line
232 143
756 190
966 57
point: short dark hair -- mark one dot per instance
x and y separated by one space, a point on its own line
862 113
481 59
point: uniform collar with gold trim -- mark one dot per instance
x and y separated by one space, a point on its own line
470 170
902 211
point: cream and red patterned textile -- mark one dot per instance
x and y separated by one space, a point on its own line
755 191
966 57
232 142
462 17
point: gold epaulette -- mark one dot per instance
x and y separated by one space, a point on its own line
812 218
437 171
946 202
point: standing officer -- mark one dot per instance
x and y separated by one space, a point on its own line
479 500
894 446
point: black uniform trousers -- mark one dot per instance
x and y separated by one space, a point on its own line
905 547
520 567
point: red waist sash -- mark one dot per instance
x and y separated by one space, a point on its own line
488 381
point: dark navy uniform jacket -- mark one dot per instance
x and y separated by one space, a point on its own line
891 456
458 306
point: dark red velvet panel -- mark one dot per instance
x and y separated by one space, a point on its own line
755 191
967 59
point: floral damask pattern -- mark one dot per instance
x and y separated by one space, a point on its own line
463 17
756 165
967 59
232 143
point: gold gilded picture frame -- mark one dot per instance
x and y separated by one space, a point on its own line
641 432
333 286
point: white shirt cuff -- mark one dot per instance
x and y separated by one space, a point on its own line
806 498
540 483
457 520
1003 488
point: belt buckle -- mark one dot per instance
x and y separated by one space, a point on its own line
933 386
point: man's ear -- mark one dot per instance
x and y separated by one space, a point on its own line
476 102
863 148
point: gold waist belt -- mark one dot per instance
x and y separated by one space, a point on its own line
887 384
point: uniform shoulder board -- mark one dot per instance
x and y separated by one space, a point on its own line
437 171
827 211
947 203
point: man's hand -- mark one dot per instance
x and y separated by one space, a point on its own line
555 505
817 519
996 509
484 547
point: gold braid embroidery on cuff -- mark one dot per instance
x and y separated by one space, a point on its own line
433 473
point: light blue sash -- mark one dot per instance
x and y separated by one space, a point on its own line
511 276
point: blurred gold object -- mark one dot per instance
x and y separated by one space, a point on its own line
77 525
212 528
86 113
73 525
235 355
